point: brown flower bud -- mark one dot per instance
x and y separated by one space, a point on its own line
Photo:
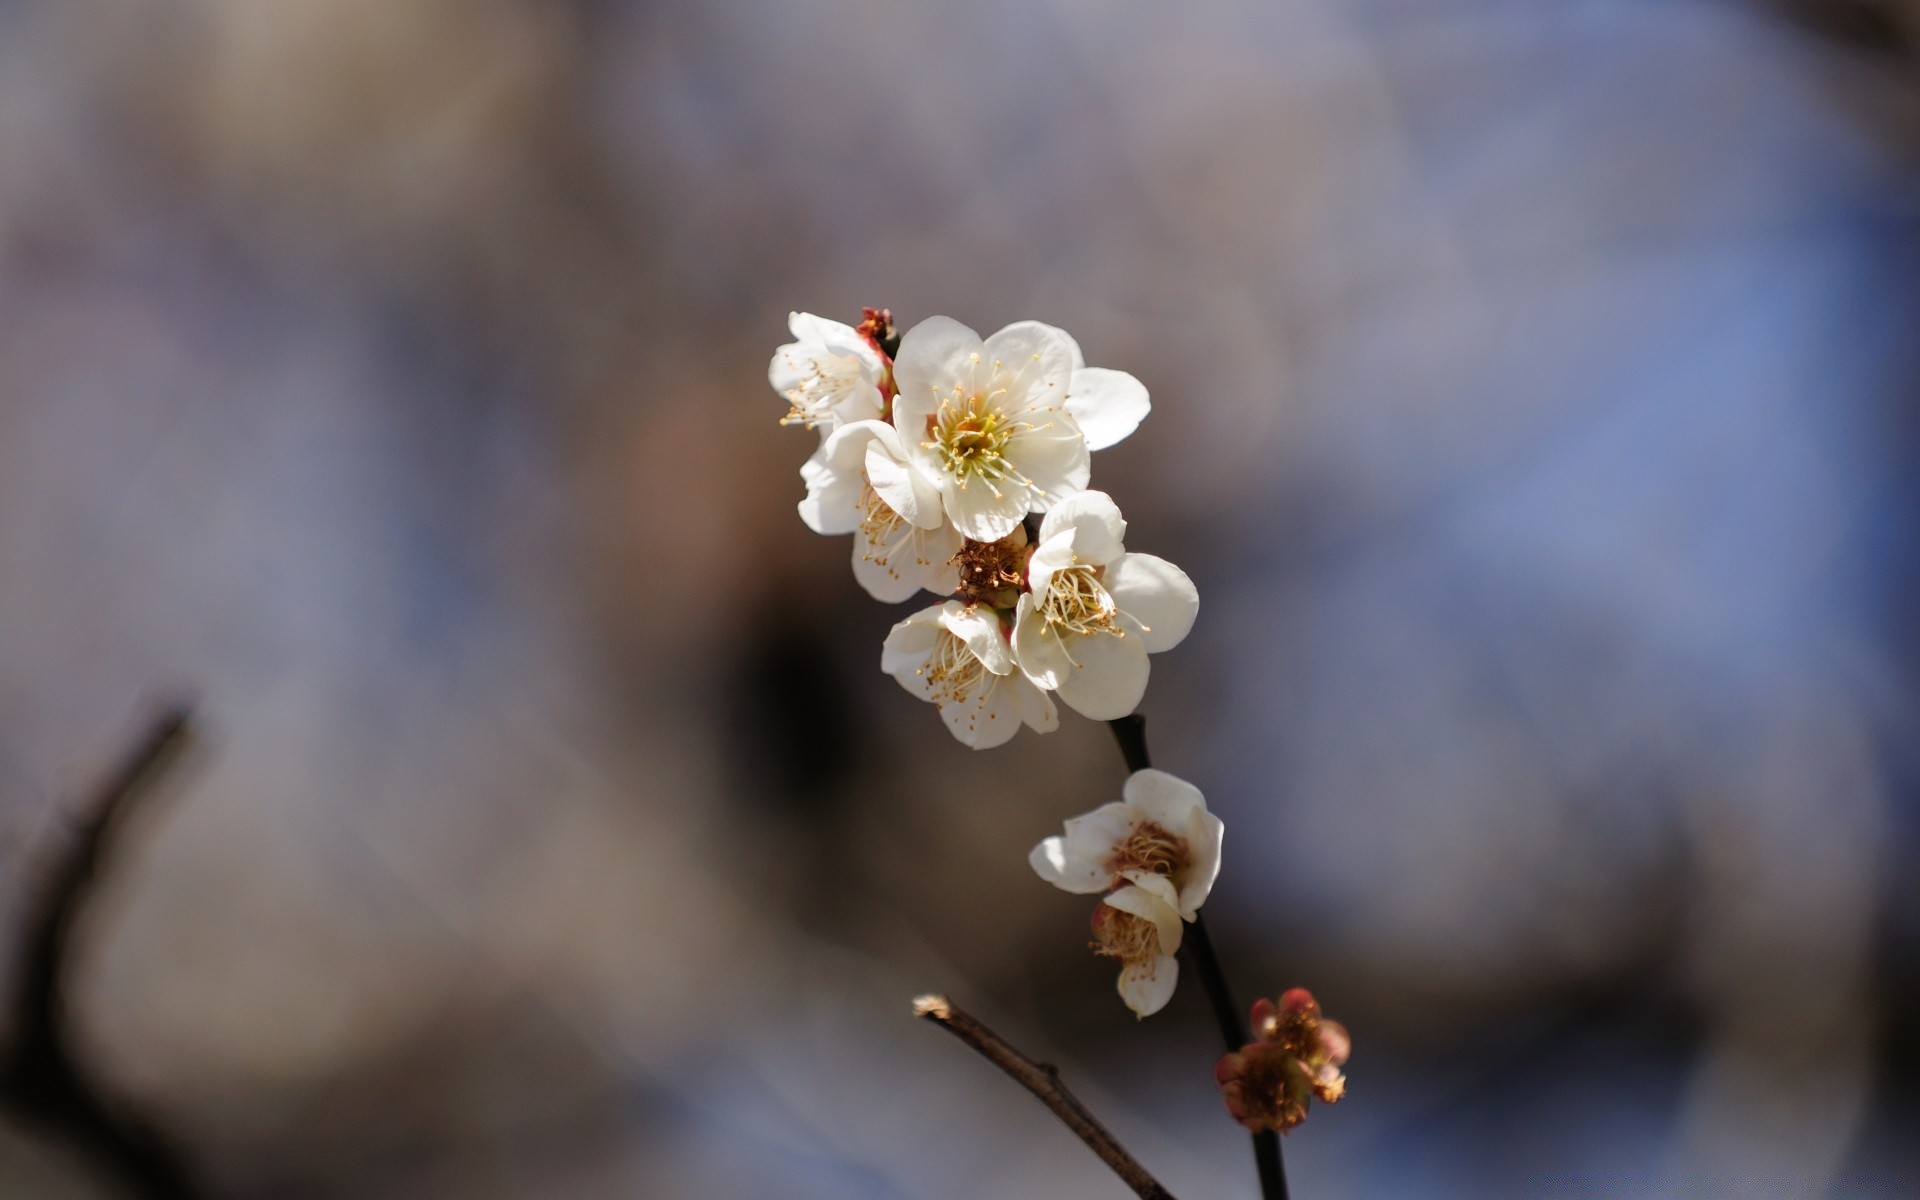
1296 1057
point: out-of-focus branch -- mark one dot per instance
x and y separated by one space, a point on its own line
1043 1080
39 1077
1197 948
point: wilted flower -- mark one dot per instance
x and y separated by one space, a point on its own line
957 656
987 421
1159 829
1095 611
1296 1055
830 375
860 482
1139 924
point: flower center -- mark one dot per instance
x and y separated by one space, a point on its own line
954 673
1119 934
829 380
1076 603
992 572
970 434
1151 848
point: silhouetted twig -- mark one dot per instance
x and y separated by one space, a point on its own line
1043 1080
39 1078
1197 948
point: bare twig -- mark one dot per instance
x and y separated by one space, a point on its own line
39 1077
1043 1080
1197 949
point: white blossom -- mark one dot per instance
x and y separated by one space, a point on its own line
987 421
860 482
1159 829
829 375
1095 611
1139 925
956 655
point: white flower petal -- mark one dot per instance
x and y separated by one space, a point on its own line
1035 706
987 719
934 356
1093 837
1155 593
985 513
1079 359
1110 675
901 484
1146 987
874 570
1052 554
1035 362
1053 457
1041 656
1166 800
1099 531
909 645
1109 405
834 477
979 627
1052 862
1204 834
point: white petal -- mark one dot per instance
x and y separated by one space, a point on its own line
1155 593
1041 656
934 356
979 627
874 570
1079 359
1035 706
1053 457
1035 364
834 476
1111 675
1204 834
1109 405
909 645
1166 800
1053 553
1052 863
982 512
1099 531
987 719
901 484
1146 987
1094 836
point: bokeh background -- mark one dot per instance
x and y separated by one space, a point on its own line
1535 406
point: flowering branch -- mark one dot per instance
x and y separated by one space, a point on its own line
39 1079
1131 732
1043 1080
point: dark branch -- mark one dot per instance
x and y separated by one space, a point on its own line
1197 948
39 1077
1043 1080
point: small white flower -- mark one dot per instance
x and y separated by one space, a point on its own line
1139 925
957 656
861 483
987 421
1107 404
830 376
1095 611
1159 829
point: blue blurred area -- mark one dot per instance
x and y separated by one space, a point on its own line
1534 408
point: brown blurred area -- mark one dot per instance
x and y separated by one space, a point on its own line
1534 408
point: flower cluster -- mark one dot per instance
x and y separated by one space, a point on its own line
961 465
1296 1055
1156 853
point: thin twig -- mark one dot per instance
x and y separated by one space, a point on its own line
1197 948
1043 1080
39 1076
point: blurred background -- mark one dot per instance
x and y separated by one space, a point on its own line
1534 405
